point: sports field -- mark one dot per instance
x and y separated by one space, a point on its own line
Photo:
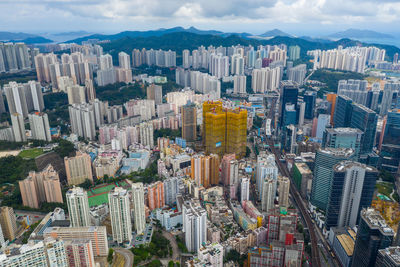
99 194
31 153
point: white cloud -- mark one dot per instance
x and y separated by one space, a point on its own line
233 15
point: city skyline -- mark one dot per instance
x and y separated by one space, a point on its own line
311 17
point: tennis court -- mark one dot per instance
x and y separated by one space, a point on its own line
99 194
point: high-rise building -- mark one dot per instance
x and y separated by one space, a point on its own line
354 89
309 98
120 214
40 127
268 194
83 120
331 99
265 79
80 252
138 207
219 65
2 240
294 52
90 91
325 159
352 189
323 122
289 138
390 148
24 98
236 132
96 234
186 59
155 195
297 74
78 207
225 130
189 122
289 115
289 95
283 191
41 187
8 222
194 226
205 170
373 234
388 257
244 189
49 252
239 84
226 168
302 111
105 62
146 134
124 60
171 190
76 94
266 168
78 168
105 77
2 105
342 138
237 64
15 57
18 127
366 120
387 97
212 254
42 64
343 110
154 92
302 177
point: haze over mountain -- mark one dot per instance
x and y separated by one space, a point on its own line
361 34
274 33
5 36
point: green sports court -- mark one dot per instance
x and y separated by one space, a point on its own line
99 195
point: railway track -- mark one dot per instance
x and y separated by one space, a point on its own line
315 258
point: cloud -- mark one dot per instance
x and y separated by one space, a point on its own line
253 15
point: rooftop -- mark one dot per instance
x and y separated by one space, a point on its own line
337 152
303 168
375 221
393 253
344 130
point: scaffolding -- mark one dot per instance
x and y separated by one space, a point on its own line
224 130
215 131
236 132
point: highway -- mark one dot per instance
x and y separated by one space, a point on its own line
315 257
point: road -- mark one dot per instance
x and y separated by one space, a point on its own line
174 245
315 257
128 255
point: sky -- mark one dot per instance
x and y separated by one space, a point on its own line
298 17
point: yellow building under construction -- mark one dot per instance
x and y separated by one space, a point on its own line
224 130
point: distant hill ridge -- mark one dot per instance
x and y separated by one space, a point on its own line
179 41
356 33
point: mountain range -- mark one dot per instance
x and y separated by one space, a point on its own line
360 34
178 41
23 37
244 37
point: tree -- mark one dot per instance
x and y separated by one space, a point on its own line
110 255
171 264
65 148
86 184
386 176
